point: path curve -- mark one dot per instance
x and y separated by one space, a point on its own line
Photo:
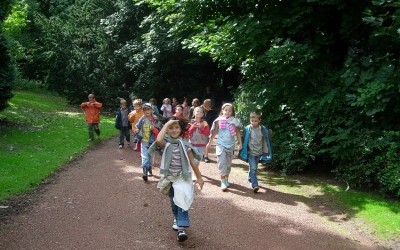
99 201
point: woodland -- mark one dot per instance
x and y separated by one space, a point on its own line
324 73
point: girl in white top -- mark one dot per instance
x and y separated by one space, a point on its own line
166 108
227 127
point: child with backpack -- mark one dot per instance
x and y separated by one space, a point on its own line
122 123
256 147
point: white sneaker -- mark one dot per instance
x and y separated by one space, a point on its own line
223 186
175 226
120 146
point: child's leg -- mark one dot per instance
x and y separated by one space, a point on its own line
253 162
228 158
90 129
222 164
96 128
145 159
127 135
182 217
121 137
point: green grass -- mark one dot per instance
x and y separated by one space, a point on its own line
380 215
39 133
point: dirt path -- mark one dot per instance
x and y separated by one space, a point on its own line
100 201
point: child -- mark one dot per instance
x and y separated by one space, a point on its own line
179 113
153 103
122 123
195 103
92 115
227 127
209 116
166 108
134 117
176 175
199 131
147 128
256 145
186 108
174 104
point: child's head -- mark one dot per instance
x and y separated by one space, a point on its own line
137 104
174 100
147 109
177 128
227 110
122 103
91 97
153 101
207 104
167 101
198 112
195 102
178 109
255 118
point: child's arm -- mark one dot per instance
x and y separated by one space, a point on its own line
160 137
239 138
196 170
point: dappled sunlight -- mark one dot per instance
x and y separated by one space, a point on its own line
69 113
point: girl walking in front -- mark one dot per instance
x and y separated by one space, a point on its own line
227 127
176 167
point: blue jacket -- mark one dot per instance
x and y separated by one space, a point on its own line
118 120
267 148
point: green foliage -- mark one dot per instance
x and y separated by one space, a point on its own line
6 73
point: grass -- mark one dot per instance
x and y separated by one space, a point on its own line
379 215
39 133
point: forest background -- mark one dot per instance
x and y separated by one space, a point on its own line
325 74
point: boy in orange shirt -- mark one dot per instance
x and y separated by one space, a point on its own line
92 115
133 118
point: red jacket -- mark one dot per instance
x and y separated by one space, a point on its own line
92 111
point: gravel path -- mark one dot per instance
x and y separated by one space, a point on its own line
100 201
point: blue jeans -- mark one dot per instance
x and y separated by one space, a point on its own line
124 133
252 177
146 159
182 217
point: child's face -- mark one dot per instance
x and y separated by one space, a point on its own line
255 121
178 110
137 107
123 105
207 107
198 113
227 111
147 112
174 130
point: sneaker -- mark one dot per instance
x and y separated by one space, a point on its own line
182 236
206 160
175 226
120 146
145 177
150 172
129 143
227 183
255 189
223 185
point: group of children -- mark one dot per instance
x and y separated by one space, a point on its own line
185 142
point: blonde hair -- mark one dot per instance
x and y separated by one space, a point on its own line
137 102
167 100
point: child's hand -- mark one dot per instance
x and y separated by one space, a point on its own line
239 147
200 182
170 122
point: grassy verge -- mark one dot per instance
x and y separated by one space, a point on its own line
39 133
380 216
